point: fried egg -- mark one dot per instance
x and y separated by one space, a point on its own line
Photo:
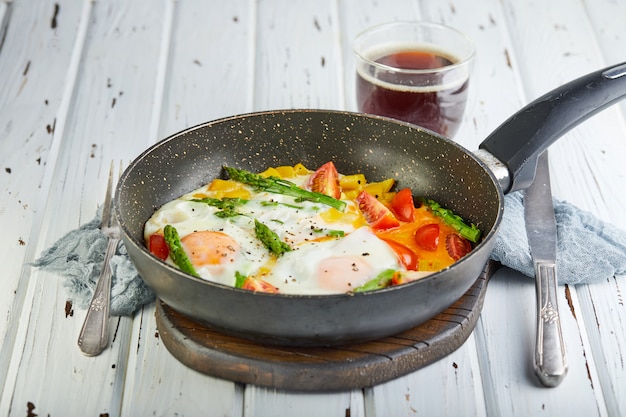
217 247
332 265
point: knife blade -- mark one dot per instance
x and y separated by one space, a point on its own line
550 359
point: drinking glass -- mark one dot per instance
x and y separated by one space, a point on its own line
417 72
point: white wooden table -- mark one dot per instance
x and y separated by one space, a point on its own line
85 82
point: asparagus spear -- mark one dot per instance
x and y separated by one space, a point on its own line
239 279
469 232
177 253
270 239
280 186
381 281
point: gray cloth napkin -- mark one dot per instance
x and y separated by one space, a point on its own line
77 258
589 250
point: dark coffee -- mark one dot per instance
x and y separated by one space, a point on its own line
424 99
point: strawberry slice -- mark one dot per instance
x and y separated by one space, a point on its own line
326 181
376 213
403 205
457 246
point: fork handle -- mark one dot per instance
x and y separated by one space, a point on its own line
94 335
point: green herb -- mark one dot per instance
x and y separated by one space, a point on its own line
270 239
328 232
284 187
239 279
469 232
227 205
177 253
336 233
381 281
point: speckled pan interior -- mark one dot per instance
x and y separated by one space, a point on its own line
429 164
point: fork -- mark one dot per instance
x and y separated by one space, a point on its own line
94 335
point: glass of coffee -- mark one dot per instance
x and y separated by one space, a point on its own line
417 72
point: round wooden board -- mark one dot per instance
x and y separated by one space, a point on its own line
333 368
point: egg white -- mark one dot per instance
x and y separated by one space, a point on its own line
188 217
333 266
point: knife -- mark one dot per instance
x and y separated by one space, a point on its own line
550 357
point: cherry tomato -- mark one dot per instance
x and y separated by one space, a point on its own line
408 257
403 205
427 237
326 181
457 246
158 246
259 285
376 213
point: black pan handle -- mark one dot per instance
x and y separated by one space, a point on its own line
519 141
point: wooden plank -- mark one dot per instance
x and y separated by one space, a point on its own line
210 68
602 309
157 384
603 304
597 145
450 386
260 402
297 56
33 64
604 16
582 163
114 79
540 70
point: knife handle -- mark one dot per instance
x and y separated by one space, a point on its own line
550 356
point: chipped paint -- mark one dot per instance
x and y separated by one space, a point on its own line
69 310
570 303
54 22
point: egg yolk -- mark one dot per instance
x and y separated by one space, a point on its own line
342 273
352 216
206 248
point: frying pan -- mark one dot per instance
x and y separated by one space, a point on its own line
472 185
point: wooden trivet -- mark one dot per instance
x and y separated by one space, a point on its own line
334 368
